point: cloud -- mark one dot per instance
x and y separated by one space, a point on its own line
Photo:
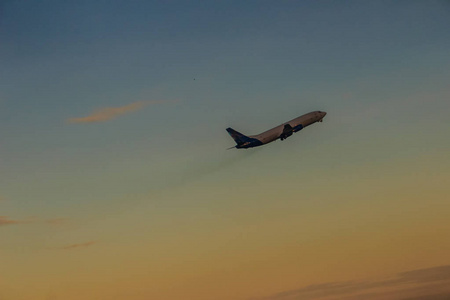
73 246
109 113
425 282
427 275
4 220
444 296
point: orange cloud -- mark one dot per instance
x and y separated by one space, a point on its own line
109 113
4 220
73 246
426 284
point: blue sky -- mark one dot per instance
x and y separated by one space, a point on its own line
380 70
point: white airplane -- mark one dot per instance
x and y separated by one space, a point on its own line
282 131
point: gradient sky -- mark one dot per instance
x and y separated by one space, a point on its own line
114 178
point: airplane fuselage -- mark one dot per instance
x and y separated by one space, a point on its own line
282 131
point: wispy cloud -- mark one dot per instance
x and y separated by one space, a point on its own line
109 113
428 281
73 246
4 220
444 296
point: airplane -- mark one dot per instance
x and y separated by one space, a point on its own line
281 132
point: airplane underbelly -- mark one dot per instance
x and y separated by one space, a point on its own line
273 135
268 137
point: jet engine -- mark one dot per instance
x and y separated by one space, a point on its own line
287 132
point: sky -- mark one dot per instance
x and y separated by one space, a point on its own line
115 181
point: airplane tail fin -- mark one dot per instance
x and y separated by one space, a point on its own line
238 137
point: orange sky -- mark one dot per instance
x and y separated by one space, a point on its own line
115 181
